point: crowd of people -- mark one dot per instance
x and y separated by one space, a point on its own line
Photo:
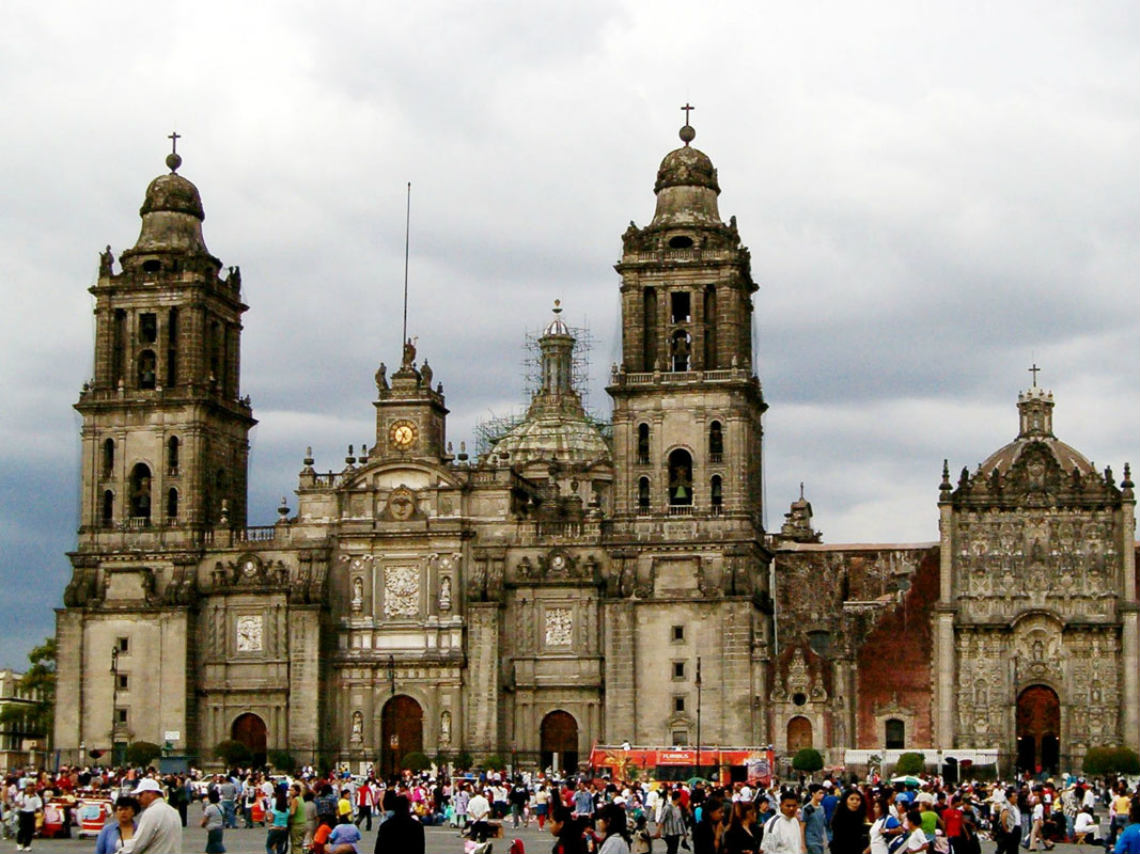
325 814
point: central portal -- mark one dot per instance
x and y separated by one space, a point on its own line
1038 730
402 732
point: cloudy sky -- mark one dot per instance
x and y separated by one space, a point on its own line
935 195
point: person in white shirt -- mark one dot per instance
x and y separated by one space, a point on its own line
160 827
28 805
916 842
1084 827
784 832
478 811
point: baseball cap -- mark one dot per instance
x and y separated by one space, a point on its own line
147 784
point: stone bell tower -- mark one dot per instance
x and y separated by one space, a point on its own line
689 561
687 407
164 425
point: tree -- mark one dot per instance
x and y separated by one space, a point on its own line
140 753
910 763
283 761
494 762
1111 760
232 753
463 760
808 759
416 761
36 717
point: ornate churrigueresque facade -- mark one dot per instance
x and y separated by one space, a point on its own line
567 587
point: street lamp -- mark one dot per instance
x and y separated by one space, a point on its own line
114 696
698 683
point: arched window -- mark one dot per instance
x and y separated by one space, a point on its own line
140 494
172 504
108 457
148 364
680 479
172 448
643 495
716 442
649 329
172 348
716 493
108 515
681 350
895 734
710 328
643 444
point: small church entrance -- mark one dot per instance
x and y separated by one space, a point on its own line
559 742
799 733
1038 730
401 732
250 730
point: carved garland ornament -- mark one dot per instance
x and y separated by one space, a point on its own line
402 591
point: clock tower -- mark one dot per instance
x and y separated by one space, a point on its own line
410 416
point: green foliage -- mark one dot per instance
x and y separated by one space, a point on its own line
1111 760
808 759
910 763
283 761
464 760
140 753
415 761
231 752
494 762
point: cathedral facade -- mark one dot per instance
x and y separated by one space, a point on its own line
568 587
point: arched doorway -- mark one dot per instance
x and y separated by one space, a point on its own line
250 730
560 742
1038 729
401 732
799 733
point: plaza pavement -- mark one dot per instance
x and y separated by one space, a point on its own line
440 840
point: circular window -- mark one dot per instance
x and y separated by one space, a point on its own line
799 698
680 242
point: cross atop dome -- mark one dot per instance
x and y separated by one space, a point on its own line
687 133
173 159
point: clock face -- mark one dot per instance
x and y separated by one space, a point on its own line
249 635
402 434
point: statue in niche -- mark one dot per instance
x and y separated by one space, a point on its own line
445 729
357 593
445 593
357 727
1038 650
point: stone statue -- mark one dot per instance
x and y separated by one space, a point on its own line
409 354
445 728
106 259
357 727
382 377
357 593
445 593
425 374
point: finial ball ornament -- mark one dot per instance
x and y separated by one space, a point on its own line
687 134
173 161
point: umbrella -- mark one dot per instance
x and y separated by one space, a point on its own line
907 780
692 781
